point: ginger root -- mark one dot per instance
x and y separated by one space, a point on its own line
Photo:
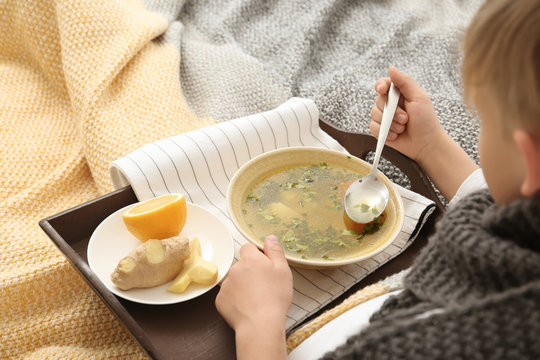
196 269
152 263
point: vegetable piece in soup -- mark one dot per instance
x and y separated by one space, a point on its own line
303 206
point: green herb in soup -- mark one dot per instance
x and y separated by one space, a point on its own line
303 206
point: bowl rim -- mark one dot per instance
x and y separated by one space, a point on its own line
307 263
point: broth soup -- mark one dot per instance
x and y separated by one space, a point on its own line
303 207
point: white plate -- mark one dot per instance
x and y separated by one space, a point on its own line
111 241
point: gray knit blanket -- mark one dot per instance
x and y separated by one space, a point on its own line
244 57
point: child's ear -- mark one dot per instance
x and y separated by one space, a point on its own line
529 145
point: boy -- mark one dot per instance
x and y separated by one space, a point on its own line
474 292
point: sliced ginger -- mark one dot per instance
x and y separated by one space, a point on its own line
152 263
196 270
155 251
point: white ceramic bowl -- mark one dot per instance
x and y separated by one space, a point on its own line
252 172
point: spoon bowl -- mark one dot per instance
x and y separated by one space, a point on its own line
366 198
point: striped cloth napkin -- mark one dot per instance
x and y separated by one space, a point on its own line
201 163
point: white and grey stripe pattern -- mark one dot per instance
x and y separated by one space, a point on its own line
201 163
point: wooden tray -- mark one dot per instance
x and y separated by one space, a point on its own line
194 329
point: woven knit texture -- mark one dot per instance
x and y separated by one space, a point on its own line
81 84
328 50
473 293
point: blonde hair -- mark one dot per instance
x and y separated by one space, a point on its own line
502 53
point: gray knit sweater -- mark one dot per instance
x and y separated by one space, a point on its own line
479 281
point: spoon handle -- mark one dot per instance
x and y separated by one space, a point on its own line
388 114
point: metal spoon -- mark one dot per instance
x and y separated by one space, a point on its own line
366 198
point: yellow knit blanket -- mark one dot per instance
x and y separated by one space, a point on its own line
81 84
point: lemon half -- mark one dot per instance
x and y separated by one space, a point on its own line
157 218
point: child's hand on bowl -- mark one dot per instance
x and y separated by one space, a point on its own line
255 296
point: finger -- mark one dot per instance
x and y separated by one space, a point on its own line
375 127
401 116
396 128
398 124
380 101
376 114
248 250
382 86
274 251
391 136
409 89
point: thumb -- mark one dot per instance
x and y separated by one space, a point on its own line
274 251
409 89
